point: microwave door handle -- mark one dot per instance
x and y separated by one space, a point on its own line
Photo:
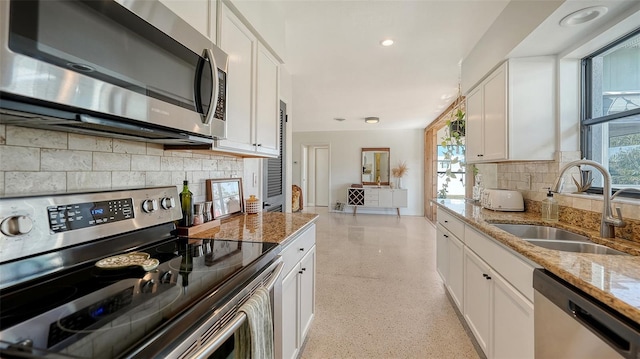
213 104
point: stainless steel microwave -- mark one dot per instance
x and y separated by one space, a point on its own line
129 69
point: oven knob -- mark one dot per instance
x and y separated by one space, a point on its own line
168 203
166 277
147 286
149 205
16 225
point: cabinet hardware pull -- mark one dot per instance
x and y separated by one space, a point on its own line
300 271
446 221
301 249
445 236
304 269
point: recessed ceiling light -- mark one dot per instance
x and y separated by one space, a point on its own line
339 119
386 42
583 16
371 119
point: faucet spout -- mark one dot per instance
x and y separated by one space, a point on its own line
608 222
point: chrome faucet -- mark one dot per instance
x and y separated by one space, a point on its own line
608 222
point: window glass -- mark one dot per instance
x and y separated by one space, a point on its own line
611 121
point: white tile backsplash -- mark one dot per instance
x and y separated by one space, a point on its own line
34 182
104 161
15 158
145 163
90 143
33 137
65 160
39 161
122 146
128 179
77 181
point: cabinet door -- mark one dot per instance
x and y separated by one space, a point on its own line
442 253
194 12
267 120
455 282
495 115
477 298
513 331
385 198
290 314
399 198
307 291
473 137
240 44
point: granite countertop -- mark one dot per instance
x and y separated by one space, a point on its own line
272 227
612 279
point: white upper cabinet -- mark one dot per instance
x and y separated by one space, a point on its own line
201 14
267 105
240 44
253 93
511 113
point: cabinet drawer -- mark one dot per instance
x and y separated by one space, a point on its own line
515 270
368 195
297 248
451 223
371 202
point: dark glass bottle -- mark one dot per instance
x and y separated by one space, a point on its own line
185 200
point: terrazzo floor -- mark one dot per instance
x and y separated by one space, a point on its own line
378 294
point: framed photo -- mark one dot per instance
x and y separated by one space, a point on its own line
226 196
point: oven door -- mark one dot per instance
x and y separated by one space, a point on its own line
140 62
212 335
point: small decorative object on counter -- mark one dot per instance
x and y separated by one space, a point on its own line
252 205
207 211
585 180
198 213
550 208
478 188
185 201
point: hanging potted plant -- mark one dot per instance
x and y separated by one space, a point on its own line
453 146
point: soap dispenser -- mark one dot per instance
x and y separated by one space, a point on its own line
550 208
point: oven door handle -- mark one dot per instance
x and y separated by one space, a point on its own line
225 333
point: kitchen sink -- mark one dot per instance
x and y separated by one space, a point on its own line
573 246
530 231
556 238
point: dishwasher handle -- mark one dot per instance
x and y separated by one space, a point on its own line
602 330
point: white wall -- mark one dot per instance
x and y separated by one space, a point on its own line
345 150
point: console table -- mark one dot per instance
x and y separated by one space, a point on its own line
377 197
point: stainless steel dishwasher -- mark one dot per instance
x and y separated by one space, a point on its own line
571 324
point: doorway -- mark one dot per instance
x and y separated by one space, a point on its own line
316 175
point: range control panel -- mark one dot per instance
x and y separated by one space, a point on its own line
82 215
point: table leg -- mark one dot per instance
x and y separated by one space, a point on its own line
355 208
398 209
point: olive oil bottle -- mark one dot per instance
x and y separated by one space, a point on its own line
185 200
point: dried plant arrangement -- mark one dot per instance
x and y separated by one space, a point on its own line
400 170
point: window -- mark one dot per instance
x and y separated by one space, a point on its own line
610 131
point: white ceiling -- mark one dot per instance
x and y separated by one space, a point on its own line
340 70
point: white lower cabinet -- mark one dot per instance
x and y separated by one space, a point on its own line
294 298
512 322
455 281
491 285
477 299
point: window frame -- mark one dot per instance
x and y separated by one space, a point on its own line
586 108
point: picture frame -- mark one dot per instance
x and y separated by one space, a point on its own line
226 196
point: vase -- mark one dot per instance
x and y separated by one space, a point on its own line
399 183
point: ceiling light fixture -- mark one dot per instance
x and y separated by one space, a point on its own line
583 16
386 42
339 119
371 119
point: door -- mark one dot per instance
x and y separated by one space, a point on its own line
322 177
455 282
290 314
274 171
268 138
513 331
307 291
495 115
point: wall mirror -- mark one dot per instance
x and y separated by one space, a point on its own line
375 166
226 195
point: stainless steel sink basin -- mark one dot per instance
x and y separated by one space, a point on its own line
530 231
572 246
556 238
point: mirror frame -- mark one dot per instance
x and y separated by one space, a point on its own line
376 149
